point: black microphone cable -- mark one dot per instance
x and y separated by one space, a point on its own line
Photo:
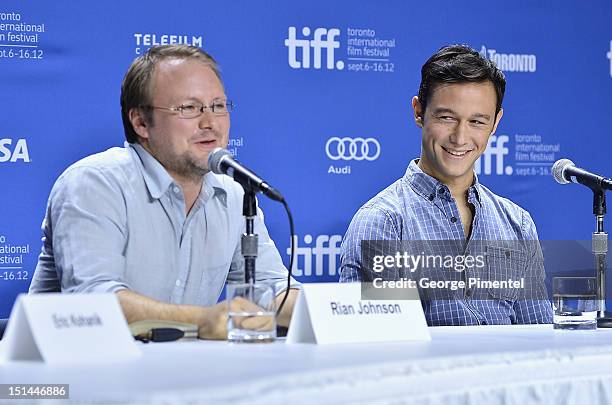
292 232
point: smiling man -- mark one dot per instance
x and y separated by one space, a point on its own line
458 107
149 221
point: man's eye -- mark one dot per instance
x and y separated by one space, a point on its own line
219 106
446 118
478 122
188 108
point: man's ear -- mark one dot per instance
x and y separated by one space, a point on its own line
417 111
497 119
139 123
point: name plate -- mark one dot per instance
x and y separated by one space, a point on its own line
68 328
338 313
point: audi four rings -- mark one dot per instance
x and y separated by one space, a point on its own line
352 148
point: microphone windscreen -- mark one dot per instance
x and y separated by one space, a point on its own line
558 169
214 159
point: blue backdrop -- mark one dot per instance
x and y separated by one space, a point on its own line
304 74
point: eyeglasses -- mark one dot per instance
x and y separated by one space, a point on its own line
218 106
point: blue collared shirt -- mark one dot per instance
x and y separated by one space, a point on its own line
116 220
418 207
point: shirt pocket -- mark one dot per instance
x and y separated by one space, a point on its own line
504 263
213 281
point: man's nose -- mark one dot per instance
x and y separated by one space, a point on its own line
460 134
206 120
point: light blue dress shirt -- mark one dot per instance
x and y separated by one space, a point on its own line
418 207
116 220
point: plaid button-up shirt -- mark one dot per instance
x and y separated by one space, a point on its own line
418 207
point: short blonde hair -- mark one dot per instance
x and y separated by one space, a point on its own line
137 87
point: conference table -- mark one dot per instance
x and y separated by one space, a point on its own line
514 364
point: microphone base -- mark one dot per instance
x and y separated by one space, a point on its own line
605 321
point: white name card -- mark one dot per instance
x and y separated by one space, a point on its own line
336 313
68 329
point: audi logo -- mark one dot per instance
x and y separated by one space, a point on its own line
352 148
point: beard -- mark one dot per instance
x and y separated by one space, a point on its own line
186 166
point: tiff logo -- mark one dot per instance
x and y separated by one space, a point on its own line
496 148
323 39
326 246
609 54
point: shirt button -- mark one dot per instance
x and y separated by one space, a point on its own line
453 219
175 189
178 283
468 293
431 197
441 190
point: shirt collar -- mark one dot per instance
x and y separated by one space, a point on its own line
158 180
213 188
155 175
429 187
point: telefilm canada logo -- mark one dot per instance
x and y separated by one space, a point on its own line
14 151
146 40
347 149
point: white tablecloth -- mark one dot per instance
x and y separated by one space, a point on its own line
460 365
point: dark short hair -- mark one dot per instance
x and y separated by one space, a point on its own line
459 64
136 89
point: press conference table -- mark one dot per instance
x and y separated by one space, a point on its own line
460 365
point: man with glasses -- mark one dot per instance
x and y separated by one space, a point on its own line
149 221
439 210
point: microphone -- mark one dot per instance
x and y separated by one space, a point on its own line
565 171
220 161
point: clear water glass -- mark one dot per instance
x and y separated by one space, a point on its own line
252 318
575 303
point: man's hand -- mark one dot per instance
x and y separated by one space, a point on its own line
211 321
214 321
284 318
